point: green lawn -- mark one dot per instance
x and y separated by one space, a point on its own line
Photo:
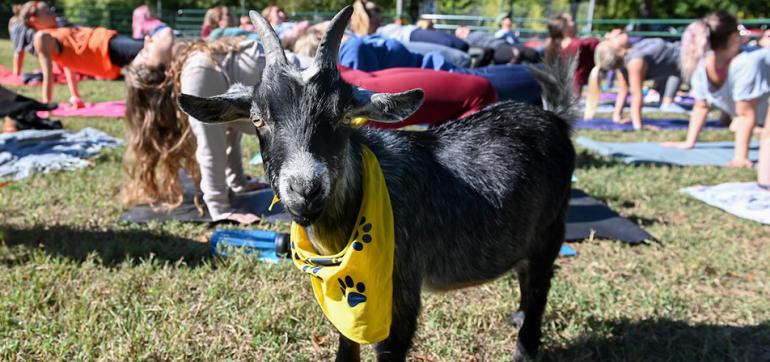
77 285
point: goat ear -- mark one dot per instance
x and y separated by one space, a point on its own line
386 107
228 107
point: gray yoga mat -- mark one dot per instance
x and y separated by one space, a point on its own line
704 153
587 216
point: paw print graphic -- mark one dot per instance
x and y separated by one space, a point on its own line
363 228
352 291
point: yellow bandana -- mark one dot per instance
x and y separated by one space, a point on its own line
355 287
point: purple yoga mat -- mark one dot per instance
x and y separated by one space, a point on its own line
686 101
663 124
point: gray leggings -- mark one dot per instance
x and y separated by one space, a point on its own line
667 86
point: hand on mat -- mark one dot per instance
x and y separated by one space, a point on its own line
244 218
682 145
76 103
740 163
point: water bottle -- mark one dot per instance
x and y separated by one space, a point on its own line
268 245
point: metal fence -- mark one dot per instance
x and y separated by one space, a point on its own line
189 21
536 27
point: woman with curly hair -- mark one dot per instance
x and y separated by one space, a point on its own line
162 140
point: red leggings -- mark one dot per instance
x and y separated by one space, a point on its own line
447 95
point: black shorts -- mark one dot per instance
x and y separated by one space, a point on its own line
123 49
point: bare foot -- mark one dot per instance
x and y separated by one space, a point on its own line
758 130
739 163
254 185
650 127
620 120
682 145
243 218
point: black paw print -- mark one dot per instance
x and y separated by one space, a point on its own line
354 296
364 228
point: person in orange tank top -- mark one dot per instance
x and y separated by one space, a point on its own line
98 52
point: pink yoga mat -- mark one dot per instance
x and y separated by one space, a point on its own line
113 109
8 78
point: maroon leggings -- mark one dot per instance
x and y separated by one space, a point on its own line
447 95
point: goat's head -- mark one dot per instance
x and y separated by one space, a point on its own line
303 118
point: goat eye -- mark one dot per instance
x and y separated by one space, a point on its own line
347 120
258 122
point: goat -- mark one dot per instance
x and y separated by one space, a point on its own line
471 199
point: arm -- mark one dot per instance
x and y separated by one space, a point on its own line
18 62
44 47
763 166
745 122
697 119
620 101
636 70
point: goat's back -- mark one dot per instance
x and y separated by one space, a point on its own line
471 197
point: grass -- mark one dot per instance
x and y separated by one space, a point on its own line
78 285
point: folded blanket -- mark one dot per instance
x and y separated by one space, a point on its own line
742 199
113 109
704 153
26 152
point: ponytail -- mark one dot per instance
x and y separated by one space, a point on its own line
594 93
695 44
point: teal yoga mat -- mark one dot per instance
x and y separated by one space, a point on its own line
704 153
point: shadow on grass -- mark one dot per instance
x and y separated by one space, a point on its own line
667 340
111 246
587 159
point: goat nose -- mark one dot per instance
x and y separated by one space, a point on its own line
308 190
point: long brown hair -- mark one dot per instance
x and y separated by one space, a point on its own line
160 140
556 26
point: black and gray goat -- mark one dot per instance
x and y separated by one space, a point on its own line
472 199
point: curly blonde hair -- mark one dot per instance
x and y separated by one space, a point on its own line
160 140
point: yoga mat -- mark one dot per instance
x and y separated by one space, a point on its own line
609 108
664 124
686 102
8 78
587 216
742 199
704 153
113 109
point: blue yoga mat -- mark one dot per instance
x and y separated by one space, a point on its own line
704 153
664 124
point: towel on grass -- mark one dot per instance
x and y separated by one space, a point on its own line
26 152
742 199
704 153
113 109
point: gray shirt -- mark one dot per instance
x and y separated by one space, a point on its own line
662 57
747 78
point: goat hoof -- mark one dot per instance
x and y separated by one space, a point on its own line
517 319
521 354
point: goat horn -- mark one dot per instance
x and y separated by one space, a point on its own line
329 49
272 45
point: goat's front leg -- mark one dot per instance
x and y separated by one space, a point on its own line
348 351
406 308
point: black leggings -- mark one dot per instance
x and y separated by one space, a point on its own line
123 49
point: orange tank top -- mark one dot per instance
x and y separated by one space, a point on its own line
85 50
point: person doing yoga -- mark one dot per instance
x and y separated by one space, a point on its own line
98 52
563 40
651 58
723 77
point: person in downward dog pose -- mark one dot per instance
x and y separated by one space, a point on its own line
737 83
495 186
